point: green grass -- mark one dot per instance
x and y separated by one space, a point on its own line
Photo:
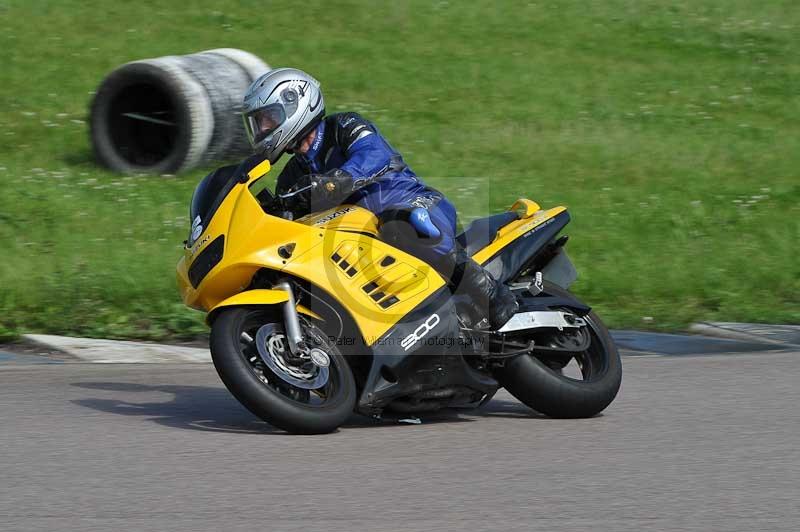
670 129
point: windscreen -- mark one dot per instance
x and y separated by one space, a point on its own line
207 197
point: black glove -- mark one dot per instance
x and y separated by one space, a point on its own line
329 188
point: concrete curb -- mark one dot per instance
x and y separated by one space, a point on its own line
778 335
120 352
639 343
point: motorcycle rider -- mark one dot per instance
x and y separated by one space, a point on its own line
342 158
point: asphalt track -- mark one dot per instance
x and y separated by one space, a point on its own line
692 443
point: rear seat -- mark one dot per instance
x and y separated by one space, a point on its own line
481 232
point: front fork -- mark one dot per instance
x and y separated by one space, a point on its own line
291 320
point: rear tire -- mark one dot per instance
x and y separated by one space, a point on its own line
289 414
548 391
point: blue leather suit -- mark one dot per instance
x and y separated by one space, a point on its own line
383 181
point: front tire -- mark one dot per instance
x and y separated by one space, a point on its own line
544 388
293 409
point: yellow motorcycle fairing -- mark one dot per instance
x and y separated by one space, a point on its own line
377 283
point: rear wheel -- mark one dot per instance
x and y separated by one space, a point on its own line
540 380
306 394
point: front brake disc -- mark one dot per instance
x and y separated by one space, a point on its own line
272 347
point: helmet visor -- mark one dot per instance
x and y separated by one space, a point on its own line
263 122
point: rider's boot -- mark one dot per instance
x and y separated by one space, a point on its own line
490 299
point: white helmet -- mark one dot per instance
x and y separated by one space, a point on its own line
280 109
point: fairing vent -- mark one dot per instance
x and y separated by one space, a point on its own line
395 284
385 280
206 260
351 258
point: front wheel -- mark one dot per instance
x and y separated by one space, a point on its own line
251 354
538 380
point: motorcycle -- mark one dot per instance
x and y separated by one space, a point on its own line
316 318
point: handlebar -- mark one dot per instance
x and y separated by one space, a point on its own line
296 192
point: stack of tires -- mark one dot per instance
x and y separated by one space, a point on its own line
173 113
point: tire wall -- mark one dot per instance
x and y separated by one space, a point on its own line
173 113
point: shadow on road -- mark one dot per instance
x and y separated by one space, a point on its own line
507 409
212 409
203 408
